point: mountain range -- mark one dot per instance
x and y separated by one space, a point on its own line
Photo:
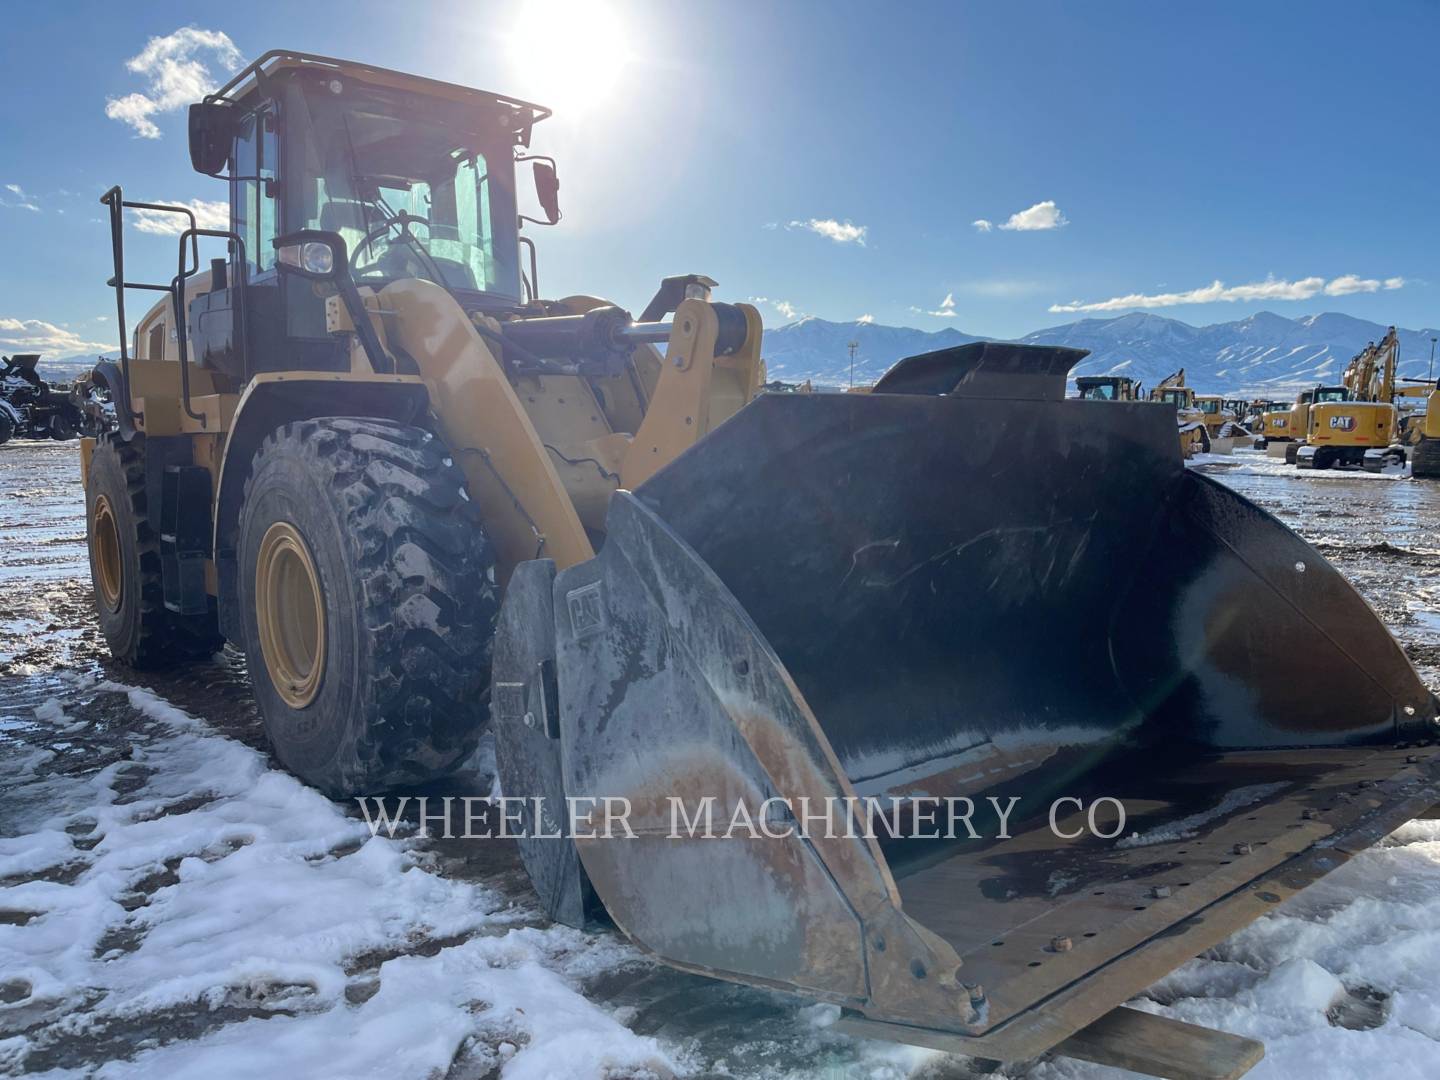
1264 354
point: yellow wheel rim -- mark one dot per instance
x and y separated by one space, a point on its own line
290 615
105 553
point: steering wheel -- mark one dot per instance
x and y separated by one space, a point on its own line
403 219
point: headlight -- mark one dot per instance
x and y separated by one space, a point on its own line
312 257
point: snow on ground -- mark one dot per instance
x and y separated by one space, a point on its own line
1248 462
189 886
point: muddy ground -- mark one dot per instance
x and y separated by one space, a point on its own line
1382 532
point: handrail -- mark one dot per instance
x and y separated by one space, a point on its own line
177 300
115 200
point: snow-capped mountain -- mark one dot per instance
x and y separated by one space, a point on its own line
816 349
1264 353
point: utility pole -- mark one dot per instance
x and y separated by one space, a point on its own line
854 347
1431 376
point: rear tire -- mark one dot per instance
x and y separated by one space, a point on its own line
125 567
1292 452
1425 458
368 604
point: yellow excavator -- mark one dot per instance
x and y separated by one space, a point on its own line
1360 428
1290 426
425 501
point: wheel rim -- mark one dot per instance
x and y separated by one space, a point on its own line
290 615
105 546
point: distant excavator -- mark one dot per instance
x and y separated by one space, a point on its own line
1360 427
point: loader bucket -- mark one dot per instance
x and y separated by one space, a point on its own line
957 586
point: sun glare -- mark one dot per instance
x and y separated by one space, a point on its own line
572 54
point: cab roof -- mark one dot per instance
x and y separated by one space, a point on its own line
251 78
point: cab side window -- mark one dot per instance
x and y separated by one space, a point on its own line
256 187
269 190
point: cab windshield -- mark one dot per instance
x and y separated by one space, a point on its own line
1099 392
415 190
1332 394
1174 397
1210 407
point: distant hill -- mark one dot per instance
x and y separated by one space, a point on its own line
65 368
1264 353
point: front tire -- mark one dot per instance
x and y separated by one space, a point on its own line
125 567
368 604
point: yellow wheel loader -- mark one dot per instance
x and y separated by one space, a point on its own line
1194 433
1107 388
1215 413
423 500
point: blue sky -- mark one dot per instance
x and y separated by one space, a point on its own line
831 158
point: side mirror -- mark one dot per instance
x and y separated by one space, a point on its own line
212 129
313 253
547 190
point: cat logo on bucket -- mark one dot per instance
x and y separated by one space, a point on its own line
1342 423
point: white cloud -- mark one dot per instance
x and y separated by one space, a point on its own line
21 201
34 335
208 215
1394 283
842 232
1043 215
1351 283
1218 292
784 308
176 71
946 310
865 320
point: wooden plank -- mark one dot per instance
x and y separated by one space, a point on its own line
1142 1042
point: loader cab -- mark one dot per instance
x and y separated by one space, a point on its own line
417 177
1105 388
1182 397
